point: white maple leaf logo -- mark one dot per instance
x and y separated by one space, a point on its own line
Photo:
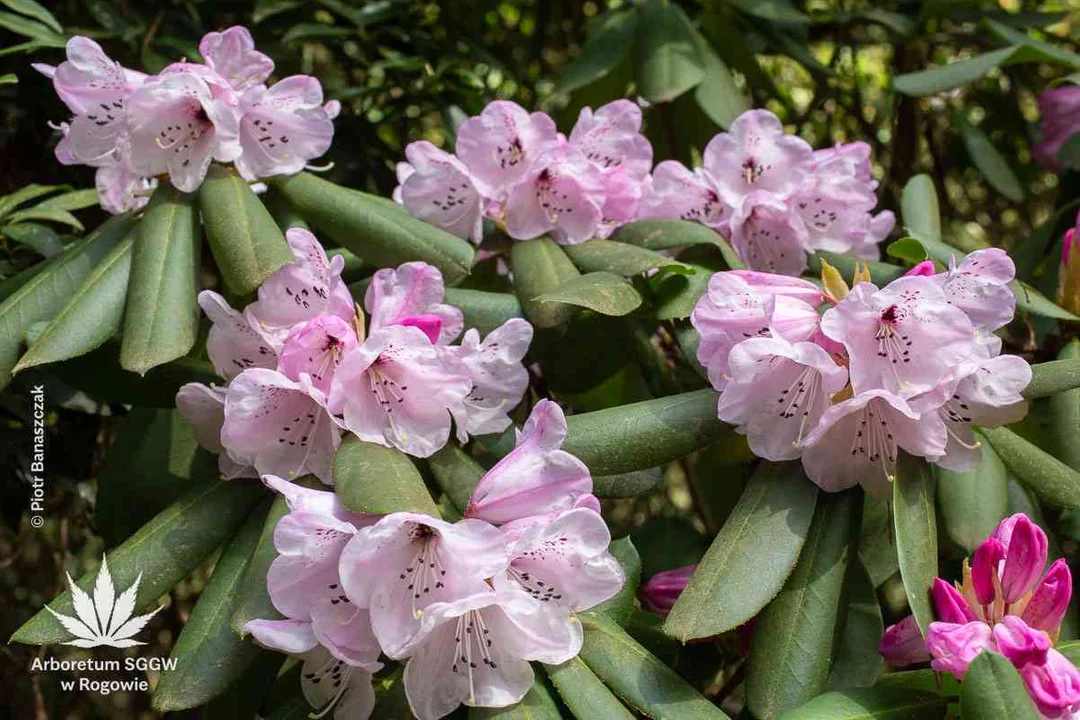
105 619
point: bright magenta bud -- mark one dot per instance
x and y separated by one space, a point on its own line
1069 274
1046 608
1025 558
903 644
664 588
984 567
1020 643
949 604
924 269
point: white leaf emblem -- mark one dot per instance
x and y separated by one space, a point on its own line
105 619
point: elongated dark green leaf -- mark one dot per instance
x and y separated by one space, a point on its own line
670 234
620 258
98 373
13 283
209 656
1047 51
31 29
536 705
1056 376
606 47
678 295
9 202
484 311
857 662
456 473
247 244
974 502
638 677
541 267
666 58
252 600
751 557
1065 411
1071 650
602 292
644 434
162 319
1031 300
74 200
377 480
717 94
47 290
91 316
925 680
877 548
907 249
916 534
583 693
626 484
163 551
618 607
872 704
377 230
988 159
36 11
1048 477
992 689
42 239
954 74
794 637
920 210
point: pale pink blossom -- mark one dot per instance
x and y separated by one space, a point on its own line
279 426
232 54
903 644
537 477
778 393
282 127
768 235
953 646
664 588
120 189
317 349
498 375
412 295
979 286
233 344
204 407
437 188
771 284
402 564
675 192
499 145
622 201
611 138
562 195
1059 112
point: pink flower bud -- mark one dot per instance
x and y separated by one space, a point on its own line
664 588
954 646
984 568
1067 246
1048 603
903 644
925 269
1025 558
1054 685
1068 276
1019 643
429 323
949 604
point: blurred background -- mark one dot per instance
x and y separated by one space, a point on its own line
407 70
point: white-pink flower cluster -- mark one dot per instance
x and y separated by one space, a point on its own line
301 367
135 127
517 169
465 605
775 197
910 366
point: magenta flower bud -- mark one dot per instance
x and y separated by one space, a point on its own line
924 269
903 644
1048 603
1054 685
984 567
429 323
1025 558
1067 246
1020 643
664 588
949 604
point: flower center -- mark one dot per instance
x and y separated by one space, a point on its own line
425 572
472 632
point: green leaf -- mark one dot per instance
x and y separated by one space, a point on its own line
25 194
794 637
1065 412
717 94
602 292
916 534
751 557
992 689
1071 650
606 47
456 473
626 485
619 257
164 551
541 267
872 704
780 11
252 600
677 296
583 693
638 677
36 11
671 234
973 502
13 283
484 311
987 159
37 213
876 547
909 250
376 229
666 58
1031 300
41 238
9 79
74 200
377 480
98 373
209 657
247 244
91 316
153 460
31 28
49 289
1056 376
644 434
162 318
857 662
1048 477
956 73
1043 51
618 607
920 210
536 705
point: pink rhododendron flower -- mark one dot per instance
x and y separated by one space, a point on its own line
537 477
953 646
1054 685
663 589
675 192
499 145
316 349
768 235
979 286
232 55
437 188
204 407
903 644
561 195
283 127
120 189
412 295
1059 111
611 138
499 379
233 343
